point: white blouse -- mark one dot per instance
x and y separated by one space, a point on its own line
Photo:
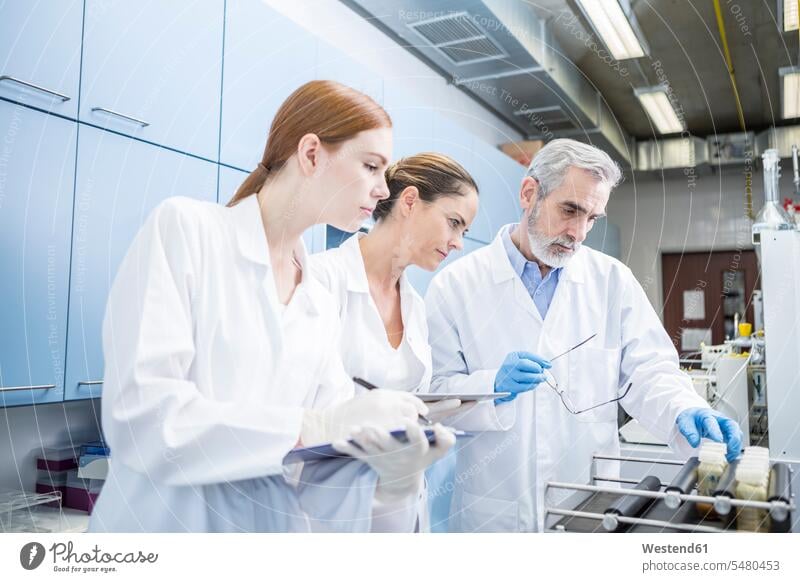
364 347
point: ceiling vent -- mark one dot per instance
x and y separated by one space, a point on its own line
459 38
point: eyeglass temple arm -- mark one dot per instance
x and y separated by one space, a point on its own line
624 394
576 346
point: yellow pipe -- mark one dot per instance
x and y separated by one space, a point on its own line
748 186
729 61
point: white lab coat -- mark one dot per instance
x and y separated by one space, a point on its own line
363 341
478 312
206 382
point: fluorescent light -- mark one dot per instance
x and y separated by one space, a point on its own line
790 15
660 110
614 27
790 91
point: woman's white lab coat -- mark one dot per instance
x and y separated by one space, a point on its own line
206 382
363 343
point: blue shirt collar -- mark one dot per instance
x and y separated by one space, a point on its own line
518 260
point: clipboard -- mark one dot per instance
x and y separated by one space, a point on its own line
326 451
436 397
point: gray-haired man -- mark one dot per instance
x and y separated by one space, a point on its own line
504 319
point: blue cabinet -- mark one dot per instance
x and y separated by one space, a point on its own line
37 169
40 44
421 278
72 196
119 181
154 70
267 57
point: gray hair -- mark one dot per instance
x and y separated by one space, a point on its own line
551 163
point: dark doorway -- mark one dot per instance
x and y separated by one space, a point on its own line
702 293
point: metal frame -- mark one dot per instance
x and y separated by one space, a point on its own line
500 75
773 507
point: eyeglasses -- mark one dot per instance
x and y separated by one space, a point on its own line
562 394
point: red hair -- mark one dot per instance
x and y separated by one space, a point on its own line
333 112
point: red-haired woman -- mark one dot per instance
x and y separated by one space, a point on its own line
221 353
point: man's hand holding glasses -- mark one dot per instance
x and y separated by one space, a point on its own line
524 371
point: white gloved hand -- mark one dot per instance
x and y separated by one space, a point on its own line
438 411
386 409
400 466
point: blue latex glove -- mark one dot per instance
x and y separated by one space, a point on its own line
520 372
698 423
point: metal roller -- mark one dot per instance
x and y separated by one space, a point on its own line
780 490
629 505
726 490
684 482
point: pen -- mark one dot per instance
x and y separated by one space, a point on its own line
371 386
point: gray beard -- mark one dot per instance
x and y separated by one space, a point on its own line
542 246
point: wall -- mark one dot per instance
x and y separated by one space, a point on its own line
675 212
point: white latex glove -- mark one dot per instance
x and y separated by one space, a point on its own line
386 409
439 411
400 466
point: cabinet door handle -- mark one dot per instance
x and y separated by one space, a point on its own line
18 388
39 88
89 382
121 115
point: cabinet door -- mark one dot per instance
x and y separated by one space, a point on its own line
40 44
498 178
421 278
267 57
153 70
37 169
119 181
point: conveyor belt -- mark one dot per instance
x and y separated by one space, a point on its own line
686 514
599 502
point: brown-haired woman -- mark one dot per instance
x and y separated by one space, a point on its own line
432 202
218 346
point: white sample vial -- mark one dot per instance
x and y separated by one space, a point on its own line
712 465
752 479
